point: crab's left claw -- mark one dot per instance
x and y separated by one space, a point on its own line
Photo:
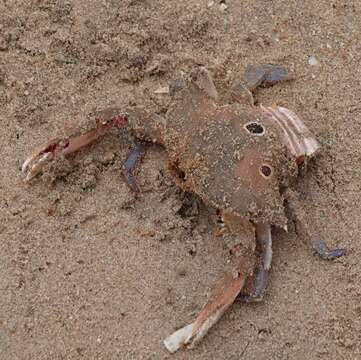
202 78
55 148
225 290
222 297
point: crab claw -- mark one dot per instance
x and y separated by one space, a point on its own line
40 156
55 148
222 296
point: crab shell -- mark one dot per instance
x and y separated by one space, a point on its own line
235 157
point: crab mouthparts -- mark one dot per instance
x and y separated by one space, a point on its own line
294 134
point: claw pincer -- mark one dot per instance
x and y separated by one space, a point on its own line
105 120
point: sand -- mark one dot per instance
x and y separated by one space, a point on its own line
89 272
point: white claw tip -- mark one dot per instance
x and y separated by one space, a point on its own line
25 165
36 167
179 338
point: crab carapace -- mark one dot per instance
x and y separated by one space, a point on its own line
238 158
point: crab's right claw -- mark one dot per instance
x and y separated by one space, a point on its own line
39 157
224 294
299 141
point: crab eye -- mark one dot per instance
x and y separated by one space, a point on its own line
266 171
255 128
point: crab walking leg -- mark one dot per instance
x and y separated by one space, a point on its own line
129 165
265 75
303 226
258 75
321 248
257 283
58 147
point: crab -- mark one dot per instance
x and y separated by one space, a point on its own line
239 158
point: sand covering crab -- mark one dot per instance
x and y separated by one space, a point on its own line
238 158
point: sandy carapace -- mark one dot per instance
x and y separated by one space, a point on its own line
238 158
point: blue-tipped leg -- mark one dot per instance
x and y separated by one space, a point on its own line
257 283
129 166
321 248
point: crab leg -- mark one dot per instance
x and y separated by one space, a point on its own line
257 283
129 165
316 242
265 75
258 75
321 248
58 147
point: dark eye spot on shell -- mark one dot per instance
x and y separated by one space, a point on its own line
266 171
255 128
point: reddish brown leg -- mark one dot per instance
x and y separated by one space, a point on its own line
129 166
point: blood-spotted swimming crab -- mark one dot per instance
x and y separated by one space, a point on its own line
238 158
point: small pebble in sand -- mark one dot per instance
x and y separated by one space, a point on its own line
223 7
312 60
162 90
